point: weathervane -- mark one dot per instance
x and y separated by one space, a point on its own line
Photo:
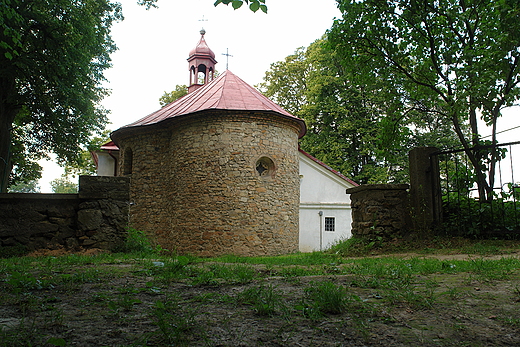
203 20
227 57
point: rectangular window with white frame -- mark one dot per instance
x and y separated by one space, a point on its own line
330 223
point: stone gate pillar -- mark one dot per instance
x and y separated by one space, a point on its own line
425 192
379 210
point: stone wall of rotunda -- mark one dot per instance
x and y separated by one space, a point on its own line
235 185
145 158
217 184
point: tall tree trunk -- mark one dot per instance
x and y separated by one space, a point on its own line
477 161
5 153
494 156
482 184
495 112
7 114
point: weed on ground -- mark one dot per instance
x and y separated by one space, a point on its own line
147 298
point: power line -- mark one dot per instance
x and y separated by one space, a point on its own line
500 132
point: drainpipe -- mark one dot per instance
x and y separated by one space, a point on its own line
115 162
321 229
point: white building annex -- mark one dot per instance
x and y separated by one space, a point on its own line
325 211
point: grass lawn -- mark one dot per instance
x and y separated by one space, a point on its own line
434 292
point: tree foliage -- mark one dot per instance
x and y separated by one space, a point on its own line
52 57
453 59
29 187
342 118
64 185
351 120
85 165
254 5
286 81
341 128
177 93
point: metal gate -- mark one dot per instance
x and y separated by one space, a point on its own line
465 211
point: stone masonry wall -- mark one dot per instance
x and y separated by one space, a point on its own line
220 203
198 191
150 188
379 210
94 218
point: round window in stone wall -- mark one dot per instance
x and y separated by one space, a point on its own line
265 167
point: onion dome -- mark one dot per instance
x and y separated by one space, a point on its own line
202 48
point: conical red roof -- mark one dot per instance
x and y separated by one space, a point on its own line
226 92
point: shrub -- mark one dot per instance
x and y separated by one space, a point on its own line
137 241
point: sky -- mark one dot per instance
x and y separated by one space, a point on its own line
154 45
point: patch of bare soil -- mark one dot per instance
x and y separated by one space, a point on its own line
129 305
509 253
60 251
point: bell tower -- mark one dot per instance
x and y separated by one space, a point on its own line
201 64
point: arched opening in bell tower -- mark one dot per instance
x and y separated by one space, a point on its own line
201 74
201 64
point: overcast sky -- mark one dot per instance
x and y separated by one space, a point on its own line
154 45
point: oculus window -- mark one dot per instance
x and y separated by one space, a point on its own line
265 167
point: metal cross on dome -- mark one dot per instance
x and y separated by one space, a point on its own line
227 57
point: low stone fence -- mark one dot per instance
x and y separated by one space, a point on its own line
393 210
96 217
379 210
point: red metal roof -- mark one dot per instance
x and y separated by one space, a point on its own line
110 146
337 173
226 92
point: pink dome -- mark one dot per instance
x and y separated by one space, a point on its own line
202 47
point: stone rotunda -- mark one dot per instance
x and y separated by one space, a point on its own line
215 172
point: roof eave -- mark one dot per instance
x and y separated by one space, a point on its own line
127 130
325 166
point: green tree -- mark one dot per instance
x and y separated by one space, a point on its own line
52 57
254 5
85 165
64 185
356 125
177 93
455 60
29 187
286 81
341 120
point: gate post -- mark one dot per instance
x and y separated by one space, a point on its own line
425 192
